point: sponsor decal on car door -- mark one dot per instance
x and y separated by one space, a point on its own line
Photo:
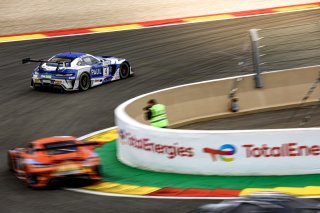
96 71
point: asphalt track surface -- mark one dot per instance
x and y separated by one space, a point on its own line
162 57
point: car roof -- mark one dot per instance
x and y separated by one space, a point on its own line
55 139
71 55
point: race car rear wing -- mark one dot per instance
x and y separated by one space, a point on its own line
70 146
27 60
41 61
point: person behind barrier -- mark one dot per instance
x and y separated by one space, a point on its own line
234 105
156 114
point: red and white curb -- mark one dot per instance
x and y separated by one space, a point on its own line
156 23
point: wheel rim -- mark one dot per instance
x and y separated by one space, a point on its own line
85 82
124 70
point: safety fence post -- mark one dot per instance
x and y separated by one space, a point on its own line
256 56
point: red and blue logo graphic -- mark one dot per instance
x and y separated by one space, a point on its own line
225 152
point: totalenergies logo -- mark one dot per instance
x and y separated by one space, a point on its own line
170 150
224 152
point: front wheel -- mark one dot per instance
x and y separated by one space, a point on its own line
124 70
84 82
31 179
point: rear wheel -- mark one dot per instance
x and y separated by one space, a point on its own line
124 70
35 86
84 82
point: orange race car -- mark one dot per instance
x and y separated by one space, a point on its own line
53 158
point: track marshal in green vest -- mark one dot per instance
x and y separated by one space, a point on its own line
156 114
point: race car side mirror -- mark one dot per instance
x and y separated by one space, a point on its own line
25 60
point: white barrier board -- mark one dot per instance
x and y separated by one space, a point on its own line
248 152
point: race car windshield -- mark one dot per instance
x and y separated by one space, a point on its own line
60 147
63 62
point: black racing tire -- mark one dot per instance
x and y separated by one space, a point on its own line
31 179
124 70
84 82
35 86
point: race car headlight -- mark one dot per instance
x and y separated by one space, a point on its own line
36 163
41 165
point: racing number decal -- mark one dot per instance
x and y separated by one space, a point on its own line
106 71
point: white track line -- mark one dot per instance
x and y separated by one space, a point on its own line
96 133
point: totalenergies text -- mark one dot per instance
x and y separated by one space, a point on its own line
284 150
171 151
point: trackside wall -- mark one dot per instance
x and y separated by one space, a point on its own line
247 152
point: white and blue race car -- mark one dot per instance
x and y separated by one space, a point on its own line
78 71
